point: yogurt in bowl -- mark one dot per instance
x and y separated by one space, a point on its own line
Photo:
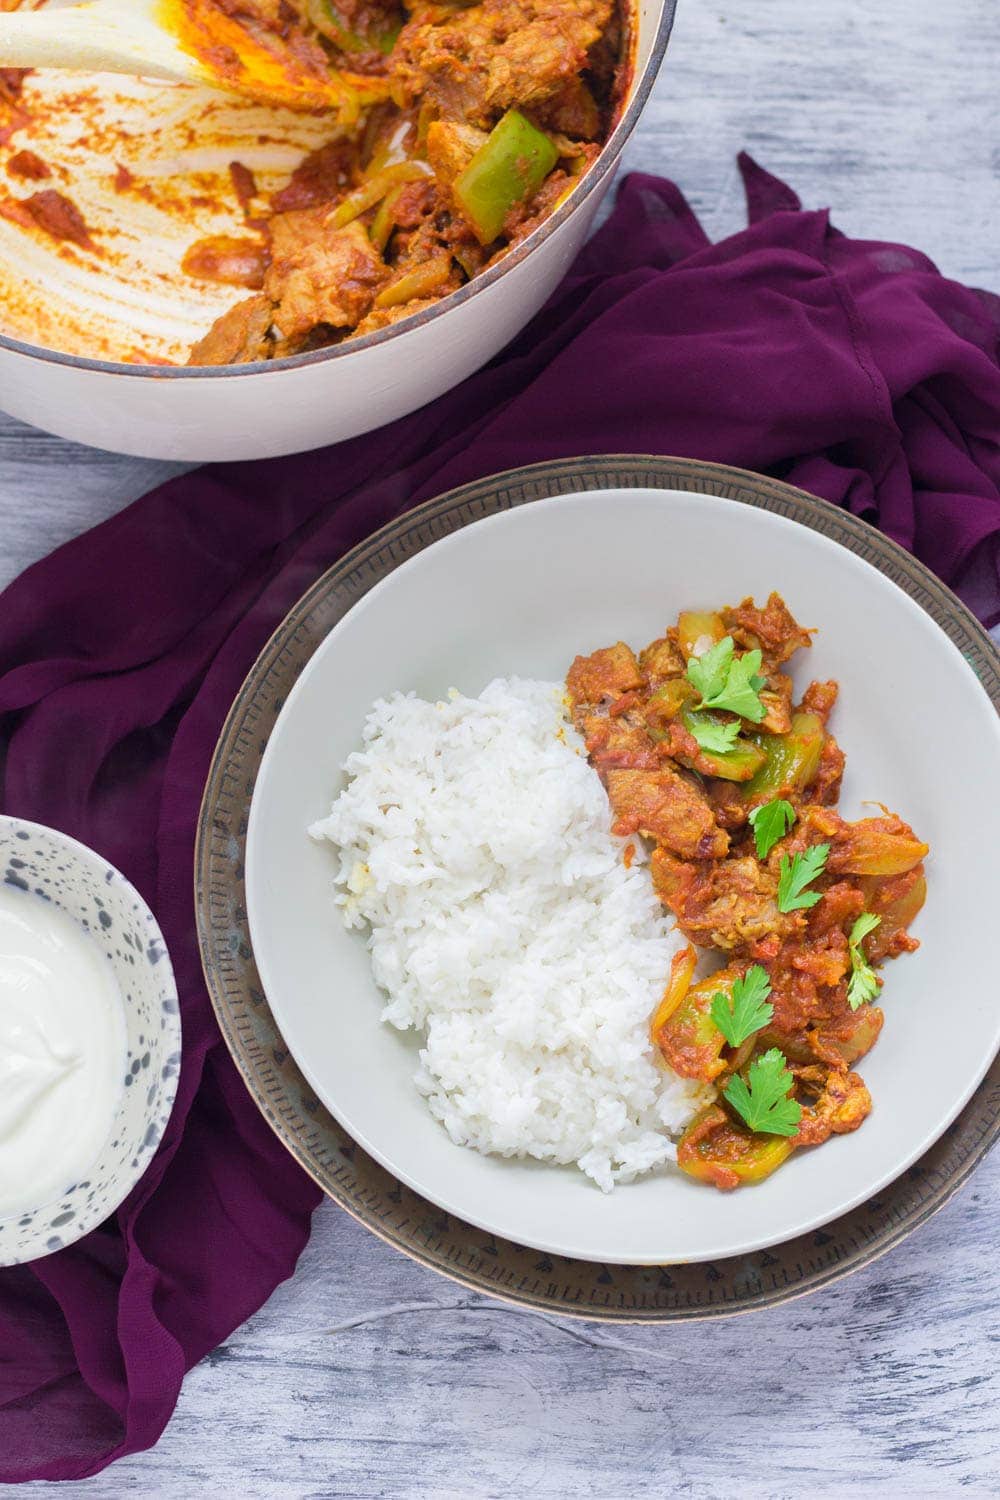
89 1039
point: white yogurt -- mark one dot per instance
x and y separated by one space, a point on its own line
62 1051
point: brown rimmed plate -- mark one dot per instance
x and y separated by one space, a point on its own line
353 1179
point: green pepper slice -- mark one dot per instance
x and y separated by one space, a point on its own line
740 763
329 22
715 1149
508 169
790 760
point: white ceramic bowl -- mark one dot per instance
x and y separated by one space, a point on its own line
522 593
236 411
51 866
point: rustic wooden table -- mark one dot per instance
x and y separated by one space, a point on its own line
368 1376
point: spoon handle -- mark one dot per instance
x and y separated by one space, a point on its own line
100 37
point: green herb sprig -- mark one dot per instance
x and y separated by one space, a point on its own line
795 874
770 822
727 681
738 1016
863 984
763 1099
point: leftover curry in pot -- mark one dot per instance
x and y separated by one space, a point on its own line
457 129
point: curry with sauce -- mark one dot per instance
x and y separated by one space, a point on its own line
755 862
457 129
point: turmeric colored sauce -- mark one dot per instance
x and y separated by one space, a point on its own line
51 212
29 166
238 47
224 258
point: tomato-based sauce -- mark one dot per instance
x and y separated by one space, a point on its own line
704 752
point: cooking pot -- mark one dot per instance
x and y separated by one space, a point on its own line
147 163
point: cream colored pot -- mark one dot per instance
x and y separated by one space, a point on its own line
149 163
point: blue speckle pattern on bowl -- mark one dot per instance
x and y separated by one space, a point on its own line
47 865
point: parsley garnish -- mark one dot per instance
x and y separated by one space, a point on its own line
747 1011
798 872
708 672
716 738
763 1100
863 984
770 822
727 681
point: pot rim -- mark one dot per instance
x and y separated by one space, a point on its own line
605 164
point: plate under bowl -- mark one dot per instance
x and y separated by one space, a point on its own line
520 594
317 1139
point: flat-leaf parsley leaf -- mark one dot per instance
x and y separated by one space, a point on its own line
717 738
796 873
747 1011
727 681
770 822
863 984
708 672
763 1099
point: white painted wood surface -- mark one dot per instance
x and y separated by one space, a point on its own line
367 1376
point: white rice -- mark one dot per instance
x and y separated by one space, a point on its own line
474 844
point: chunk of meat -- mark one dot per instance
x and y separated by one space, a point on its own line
841 1104
573 111
824 960
617 743
825 787
669 807
451 145
662 661
477 62
730 904
772 629
238 337
317 277
776 701
603 676
819 698
729 804
837 909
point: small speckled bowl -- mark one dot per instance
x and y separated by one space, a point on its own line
48 865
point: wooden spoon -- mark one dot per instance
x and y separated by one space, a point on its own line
188 41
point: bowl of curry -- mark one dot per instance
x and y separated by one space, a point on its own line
168 253
796 753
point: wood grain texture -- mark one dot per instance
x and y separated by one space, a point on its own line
886 1383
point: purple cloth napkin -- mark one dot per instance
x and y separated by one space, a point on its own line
852 369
